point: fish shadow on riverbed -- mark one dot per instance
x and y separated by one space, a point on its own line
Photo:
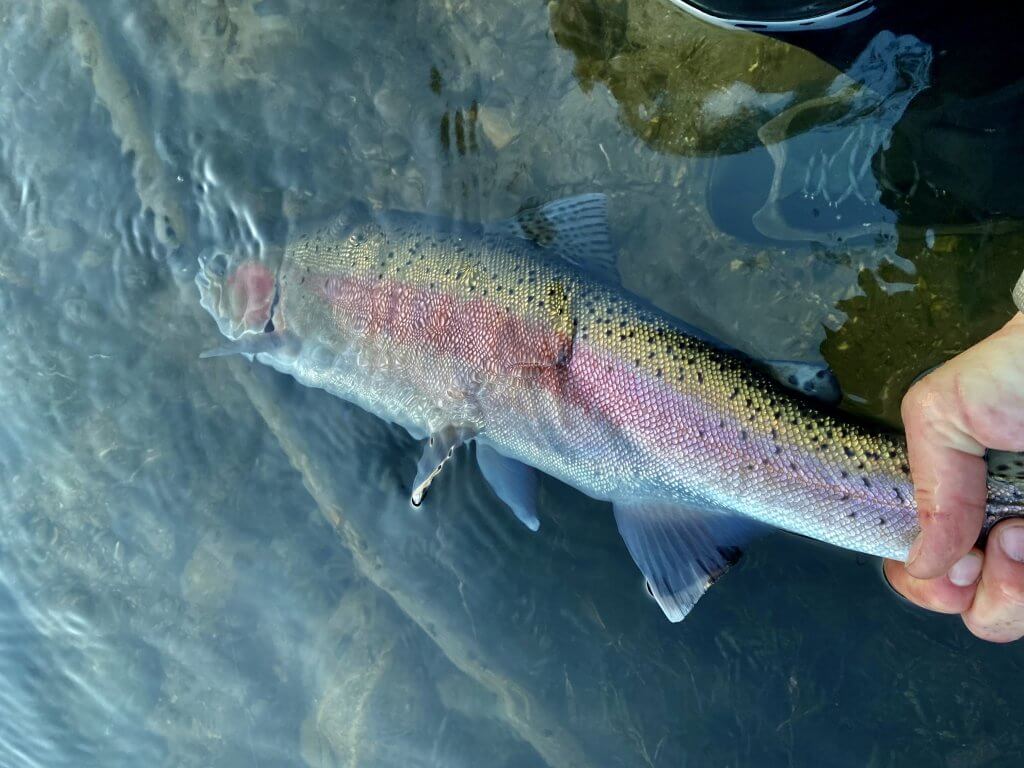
555 626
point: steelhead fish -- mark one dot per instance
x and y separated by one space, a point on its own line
518 336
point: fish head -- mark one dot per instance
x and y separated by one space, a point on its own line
238 292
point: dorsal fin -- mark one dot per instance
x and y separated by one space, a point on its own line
811 379
576 228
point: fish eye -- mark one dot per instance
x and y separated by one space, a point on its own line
218 265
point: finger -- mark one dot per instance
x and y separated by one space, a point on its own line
949 478
997 613
938 594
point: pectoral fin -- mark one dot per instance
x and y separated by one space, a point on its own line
512 481
248 344
681 551
439 449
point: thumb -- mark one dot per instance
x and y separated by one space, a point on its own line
949 472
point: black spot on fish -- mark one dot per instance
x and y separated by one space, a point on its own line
743 435
905 469
867 483
882 521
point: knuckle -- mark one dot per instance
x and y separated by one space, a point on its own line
1011 592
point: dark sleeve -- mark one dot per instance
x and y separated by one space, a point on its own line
1018 294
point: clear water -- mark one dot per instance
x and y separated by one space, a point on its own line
203 563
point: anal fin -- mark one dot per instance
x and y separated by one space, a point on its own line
681 551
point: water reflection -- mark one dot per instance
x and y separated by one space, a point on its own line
202 563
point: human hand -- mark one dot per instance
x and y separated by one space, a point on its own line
973 402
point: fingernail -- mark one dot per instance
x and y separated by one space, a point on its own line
1011 539
966 570
915 549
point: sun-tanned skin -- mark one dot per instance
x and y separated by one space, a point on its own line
974 402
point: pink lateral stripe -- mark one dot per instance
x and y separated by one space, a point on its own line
493 340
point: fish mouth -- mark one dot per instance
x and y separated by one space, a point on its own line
238 292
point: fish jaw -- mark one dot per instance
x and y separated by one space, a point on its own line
238 293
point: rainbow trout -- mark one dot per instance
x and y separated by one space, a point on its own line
518 336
